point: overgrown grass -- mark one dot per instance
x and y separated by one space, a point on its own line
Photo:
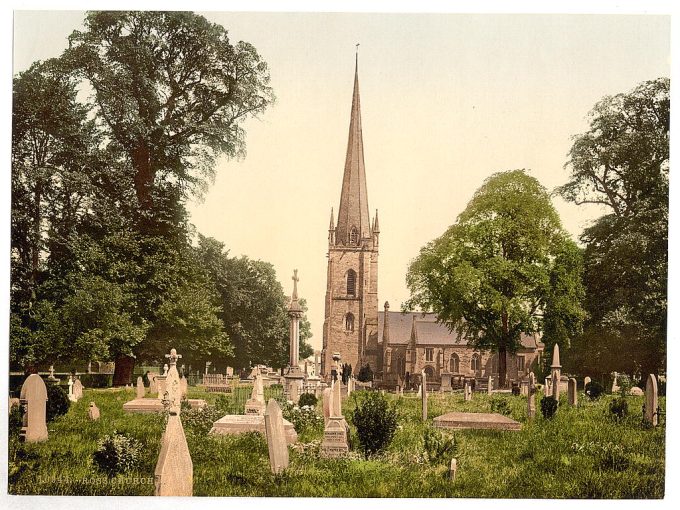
580 453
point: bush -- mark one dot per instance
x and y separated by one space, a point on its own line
365 374
625 384
619 408
97 380
500 405
57 401
549 407
515 390
376 422
439 446
594 390
200 421
308 399
15 421
302 417
117 453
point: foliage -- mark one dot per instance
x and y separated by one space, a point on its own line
594 390
625 384
439 446
376 422
200 421
618 408
505 268
303 417
500 405
307 399
117 453
57 401
15 421
622 163
549 407
365 373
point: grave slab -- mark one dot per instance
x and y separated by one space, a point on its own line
482 421
154 405
240 423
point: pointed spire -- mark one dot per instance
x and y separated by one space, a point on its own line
332 224
556 357
353 220
376 227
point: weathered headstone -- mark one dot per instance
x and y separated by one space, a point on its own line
453 469
531 396
467 389
327 402
636 392
256 405
615 383
276 437
556 372
652 401
572 393
420 391
184 387
547 387
77 389
230 371
424 395
586 382
293 393
141 390
336 431
489 385
93 412
153 384
34 401
71 396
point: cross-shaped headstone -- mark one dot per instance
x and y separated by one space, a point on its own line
173 356
295 280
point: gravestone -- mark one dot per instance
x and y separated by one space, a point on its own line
327 398
420 391
531 396
586 382
547 387
71 396
492 421
276 437
174 474
636 392
77 390
52 379
230 371
652 401
424 395
184 387
556 372
33 399
153 384
161 382
572 392
453 469
335 433
256 405
293 393
141 391
489 386
615 383
93 412
467 390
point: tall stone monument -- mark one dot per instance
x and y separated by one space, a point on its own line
572 392
424 395
33 399
336 432
174 474
276 437
651 401
556 372
294 376
531 396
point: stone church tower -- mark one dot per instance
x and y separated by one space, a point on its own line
351 318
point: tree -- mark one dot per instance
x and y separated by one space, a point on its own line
622 163
506 267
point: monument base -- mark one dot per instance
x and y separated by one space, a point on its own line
335 438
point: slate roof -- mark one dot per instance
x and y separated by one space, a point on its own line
428 330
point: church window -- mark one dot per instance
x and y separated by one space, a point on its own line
429 372
351 283
429 354
349 322
520 363
353 236
454 366
475 363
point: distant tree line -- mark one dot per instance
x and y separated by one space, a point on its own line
105 264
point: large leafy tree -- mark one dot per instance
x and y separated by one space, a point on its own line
622 163
506 267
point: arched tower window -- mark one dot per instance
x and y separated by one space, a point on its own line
475 363
351 283
349 322
353 236
429 372
454 365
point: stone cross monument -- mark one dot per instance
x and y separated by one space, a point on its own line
294 376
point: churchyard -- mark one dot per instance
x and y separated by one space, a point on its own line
581 452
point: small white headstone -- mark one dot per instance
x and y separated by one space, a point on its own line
531 396
276 437
489 385
453 469
586 382
572 393
651 401
93 412
141 390
424 395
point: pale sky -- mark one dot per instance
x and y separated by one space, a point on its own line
446 100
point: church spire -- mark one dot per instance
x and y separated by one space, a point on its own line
353 220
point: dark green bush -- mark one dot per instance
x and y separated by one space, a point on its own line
307 399
500 405
117 453
439 446
619 408
200 421
549 407
97 380
594 390
57 401
376 422
365 374
515 390
15 421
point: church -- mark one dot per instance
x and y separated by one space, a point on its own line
397 346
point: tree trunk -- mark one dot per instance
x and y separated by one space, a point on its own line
502 353
122 374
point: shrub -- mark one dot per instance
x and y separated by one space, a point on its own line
594 390
117 453
625 384
97 380
226 404
515 390
57 401
302 417
619 408
439 446
307 399
15 421
376 422
500 405
365 374
200 421
549 407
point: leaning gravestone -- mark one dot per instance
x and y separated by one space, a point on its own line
141 391
276 437
531 396
34 401
93 412
174 474
652 401
424 396
572 392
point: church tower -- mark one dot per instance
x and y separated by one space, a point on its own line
351 309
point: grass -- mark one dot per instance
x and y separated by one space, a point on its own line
580 453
